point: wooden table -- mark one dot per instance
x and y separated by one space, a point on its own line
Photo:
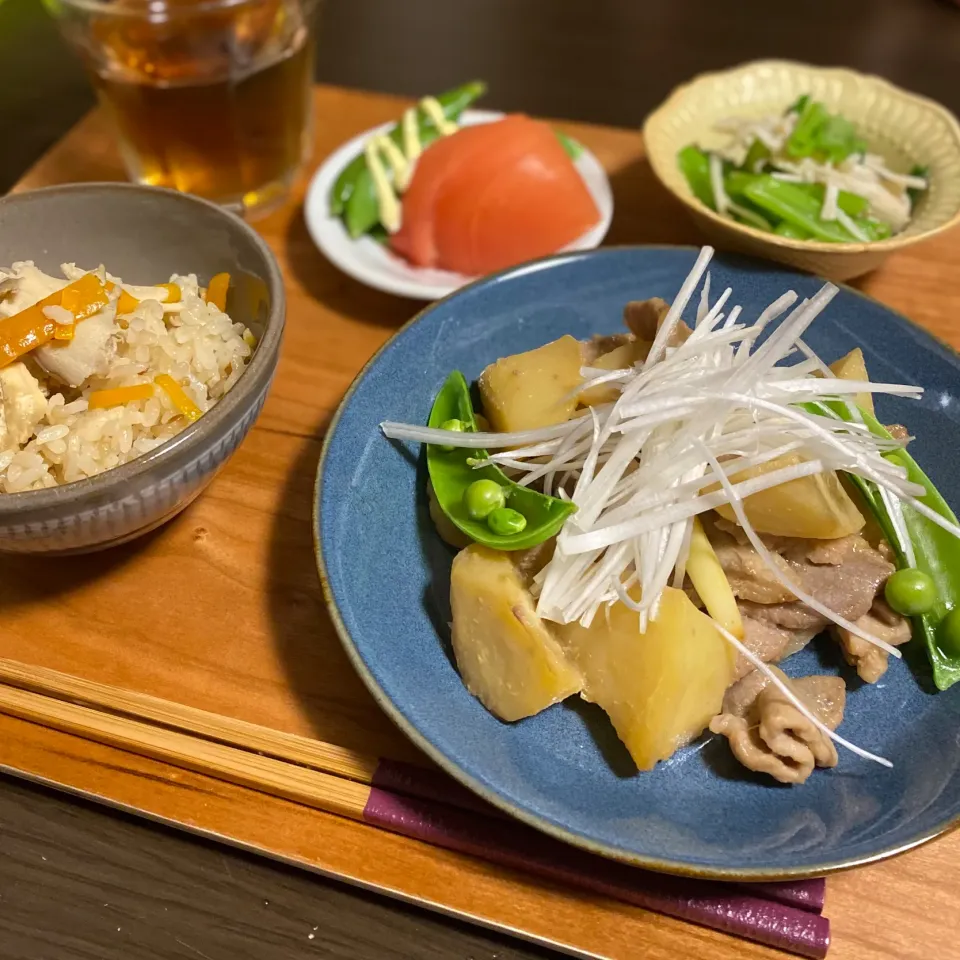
78 881
264 648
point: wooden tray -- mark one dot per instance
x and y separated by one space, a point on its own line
222 610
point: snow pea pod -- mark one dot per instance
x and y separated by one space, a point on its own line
851 203
794 206
937 552
573 148
695 166
757 157
736 181
355 177
788 230
451 474
798 207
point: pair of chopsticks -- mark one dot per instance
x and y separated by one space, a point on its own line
403 798
295 768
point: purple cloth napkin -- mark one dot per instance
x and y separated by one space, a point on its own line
430 806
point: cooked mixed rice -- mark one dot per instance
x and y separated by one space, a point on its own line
49 431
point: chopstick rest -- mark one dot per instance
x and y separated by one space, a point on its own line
394 776
732 908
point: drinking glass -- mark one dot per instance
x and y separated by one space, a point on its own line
210 97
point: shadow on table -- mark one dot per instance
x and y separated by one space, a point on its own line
645 212
335 290
33 579
330 693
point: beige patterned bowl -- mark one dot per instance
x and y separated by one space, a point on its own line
904 128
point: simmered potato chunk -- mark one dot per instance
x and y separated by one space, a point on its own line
659 688
533 389
507 655
854 367
815 507
620 358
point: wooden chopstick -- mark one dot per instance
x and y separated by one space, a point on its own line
314 754
290 781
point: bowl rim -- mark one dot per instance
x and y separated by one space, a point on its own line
676 96
449 766
263 359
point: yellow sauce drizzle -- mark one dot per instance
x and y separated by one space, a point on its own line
431 107
411 135
387 200
381 152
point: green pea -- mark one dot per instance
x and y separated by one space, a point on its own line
910 592
482 497
948 633
456 426
503 522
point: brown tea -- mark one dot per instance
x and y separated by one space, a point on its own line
229 121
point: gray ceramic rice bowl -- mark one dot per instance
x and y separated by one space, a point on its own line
143 235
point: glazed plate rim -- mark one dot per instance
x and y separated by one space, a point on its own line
448 764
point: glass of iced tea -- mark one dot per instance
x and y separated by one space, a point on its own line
211 97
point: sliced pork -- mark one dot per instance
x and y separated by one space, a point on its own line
882 622
768 734
846 575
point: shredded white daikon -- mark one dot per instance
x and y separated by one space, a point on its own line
844 218
830 197
865 175
720 199
687 422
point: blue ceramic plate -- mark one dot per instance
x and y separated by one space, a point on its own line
386 573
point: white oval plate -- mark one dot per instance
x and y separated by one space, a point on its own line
373 264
